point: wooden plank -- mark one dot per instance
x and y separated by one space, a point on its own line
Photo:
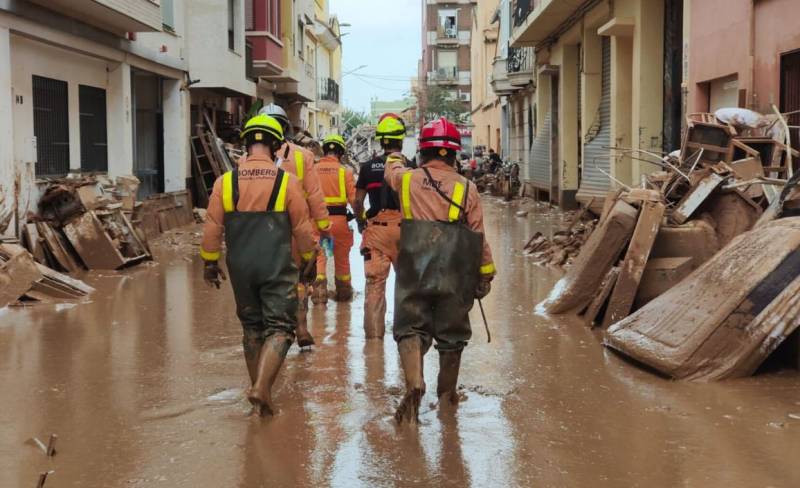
33 241
696 196
644 235
602 297
61 255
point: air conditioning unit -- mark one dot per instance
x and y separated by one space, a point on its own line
464 97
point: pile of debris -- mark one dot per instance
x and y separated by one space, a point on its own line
23 278
562 249
719 186
211 158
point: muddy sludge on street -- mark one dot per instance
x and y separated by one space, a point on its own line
144 387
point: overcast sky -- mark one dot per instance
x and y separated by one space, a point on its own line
385 36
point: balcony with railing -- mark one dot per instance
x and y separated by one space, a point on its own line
534 20
328 94
447 34
520 65
444 76
118 16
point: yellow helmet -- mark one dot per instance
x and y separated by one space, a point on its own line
263 124
390 126
332 141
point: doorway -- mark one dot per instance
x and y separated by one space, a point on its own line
94 129
790 92
673 74
148 132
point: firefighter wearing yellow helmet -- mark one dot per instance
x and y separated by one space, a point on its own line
380 225
338 187
259 209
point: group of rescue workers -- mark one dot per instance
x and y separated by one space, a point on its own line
279 211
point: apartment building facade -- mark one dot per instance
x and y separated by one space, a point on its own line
603 74
485 103
446 45
80 93
297 57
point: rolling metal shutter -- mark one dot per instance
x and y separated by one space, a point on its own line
540 157
596 155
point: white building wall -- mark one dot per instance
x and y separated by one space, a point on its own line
7 165
210 60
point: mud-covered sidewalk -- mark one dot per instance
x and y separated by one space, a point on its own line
143 385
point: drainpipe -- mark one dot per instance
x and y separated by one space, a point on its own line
752 57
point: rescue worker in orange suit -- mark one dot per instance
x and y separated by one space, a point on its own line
380 225
299 161
338 187
443 264
260 210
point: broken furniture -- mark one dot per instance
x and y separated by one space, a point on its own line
725 318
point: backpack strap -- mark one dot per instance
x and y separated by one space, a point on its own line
274 204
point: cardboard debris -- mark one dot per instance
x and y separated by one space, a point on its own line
725 318
576 289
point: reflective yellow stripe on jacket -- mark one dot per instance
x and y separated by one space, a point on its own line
405 196
342 198
300 164
227 193
458 200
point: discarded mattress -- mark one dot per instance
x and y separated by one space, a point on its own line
725 318
574 292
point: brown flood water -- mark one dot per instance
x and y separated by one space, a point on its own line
144 388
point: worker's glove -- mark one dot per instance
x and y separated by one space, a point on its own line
308 271
362 225
483 289
213 274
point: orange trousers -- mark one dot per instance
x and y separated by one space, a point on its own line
379 248
342 242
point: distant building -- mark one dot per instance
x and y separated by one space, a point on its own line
379 107
446 39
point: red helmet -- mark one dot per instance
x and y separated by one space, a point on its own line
440 133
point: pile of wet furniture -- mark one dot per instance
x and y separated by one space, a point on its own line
696 274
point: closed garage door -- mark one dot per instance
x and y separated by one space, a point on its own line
596 154
540 157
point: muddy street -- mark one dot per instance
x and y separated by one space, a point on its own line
144 387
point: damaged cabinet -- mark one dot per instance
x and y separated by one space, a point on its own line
105 240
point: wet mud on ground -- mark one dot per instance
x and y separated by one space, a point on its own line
143 386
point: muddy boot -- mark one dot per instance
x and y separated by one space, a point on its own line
252 344
410 350
269 363
344 291
319 294
447 382
304 338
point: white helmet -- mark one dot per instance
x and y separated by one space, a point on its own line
275 111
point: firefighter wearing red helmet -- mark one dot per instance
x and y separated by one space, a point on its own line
444 263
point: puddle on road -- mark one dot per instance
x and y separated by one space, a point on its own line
145 387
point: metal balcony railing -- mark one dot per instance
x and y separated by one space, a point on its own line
445 74
520 60
521 9
328 90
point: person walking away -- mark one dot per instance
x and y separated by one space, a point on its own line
443 263
338 188
380 225
495 161
299 161
259 209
